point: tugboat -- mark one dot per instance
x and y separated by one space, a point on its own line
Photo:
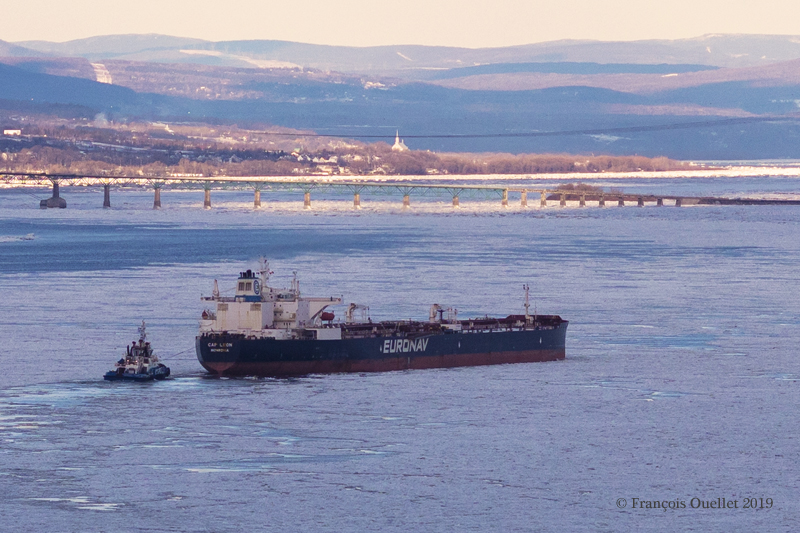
139 363
266 331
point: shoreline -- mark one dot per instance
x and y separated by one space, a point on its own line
729 172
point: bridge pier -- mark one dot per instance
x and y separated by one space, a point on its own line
504 202
563 202
523 199
207 199
55 201
455 203
106 196
582 202
677 202
157 198
543 202
640 202
602 202
257 199
660 202
356 201
406 201
307 200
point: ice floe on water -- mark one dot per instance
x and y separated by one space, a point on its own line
17 238
81 502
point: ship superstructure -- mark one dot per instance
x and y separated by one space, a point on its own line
260 311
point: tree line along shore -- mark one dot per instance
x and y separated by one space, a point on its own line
162 150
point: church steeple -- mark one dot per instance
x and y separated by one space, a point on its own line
399 145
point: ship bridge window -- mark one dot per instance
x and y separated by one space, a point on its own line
241 285
248 286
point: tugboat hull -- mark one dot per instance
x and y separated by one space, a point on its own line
159 373
113 376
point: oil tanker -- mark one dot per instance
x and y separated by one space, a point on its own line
265 331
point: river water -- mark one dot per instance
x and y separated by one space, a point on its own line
680 383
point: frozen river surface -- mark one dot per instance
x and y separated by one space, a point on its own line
680 383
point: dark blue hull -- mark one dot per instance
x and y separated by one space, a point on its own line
113 376
225 354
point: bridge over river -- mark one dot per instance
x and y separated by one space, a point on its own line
424 186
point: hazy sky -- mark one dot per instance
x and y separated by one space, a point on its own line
470 23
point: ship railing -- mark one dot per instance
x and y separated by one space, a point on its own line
412 329
218 298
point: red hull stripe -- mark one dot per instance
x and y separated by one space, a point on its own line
301 368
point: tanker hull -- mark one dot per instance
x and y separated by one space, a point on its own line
237 355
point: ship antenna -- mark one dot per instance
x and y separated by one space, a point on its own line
142 333
215 292
527 289
265 271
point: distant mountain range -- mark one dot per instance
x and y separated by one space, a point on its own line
713 97
710 50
